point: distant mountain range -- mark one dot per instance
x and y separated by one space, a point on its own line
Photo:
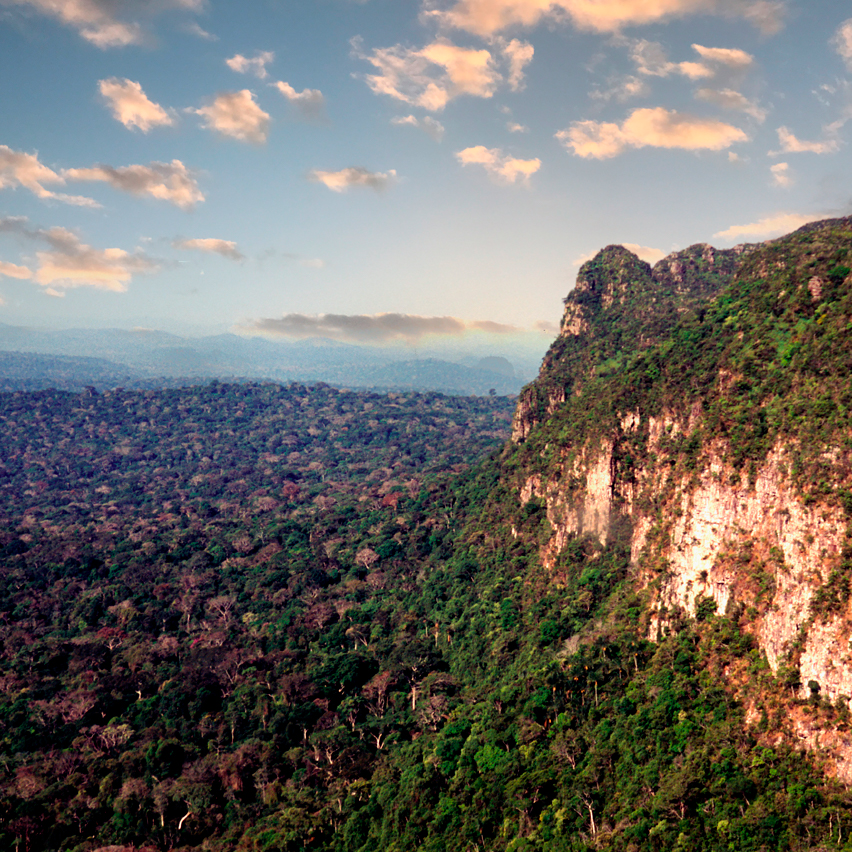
33 359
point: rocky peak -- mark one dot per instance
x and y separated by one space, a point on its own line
619 307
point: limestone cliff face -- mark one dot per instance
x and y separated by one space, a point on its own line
620 304
668 481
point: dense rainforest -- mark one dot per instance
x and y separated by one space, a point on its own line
274 618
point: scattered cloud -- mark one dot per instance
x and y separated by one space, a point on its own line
488 17
166 181
519 54
354 176
790 144
226 248
780 223
193 28
842 42
646 253
236 114
781 174
651 127
131 106
500 166
651 61
105 23
730 99
69 263
309 102
432 76
514 127
18 168
372 328
428 125
256 65
12 270
731 57
622 89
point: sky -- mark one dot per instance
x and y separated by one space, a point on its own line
387 171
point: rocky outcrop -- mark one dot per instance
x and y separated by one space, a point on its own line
750 538
620 304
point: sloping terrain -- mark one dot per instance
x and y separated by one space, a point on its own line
298 619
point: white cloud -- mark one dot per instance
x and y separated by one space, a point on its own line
432 76
500 166
781 174
488 17
646 253
194 29
256 65
105 23
12 270
428 125
731 99
131 106
790 144
166 181
651 61
652 127
520 54
226 248
514 127
69 263
780 223
732 57
354 176
21 169
309 102
236 114
372 328
842 42
622 89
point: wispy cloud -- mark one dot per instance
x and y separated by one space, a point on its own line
488 17
70 263
106 23
372 328
226 248
236 115
131 106
519 54
652 127
17 168
12 270
171 182
842 42
309 102
432 76
791 144
256 65
354 176
646 253
500 166
781 174
731 99
770 226
428 125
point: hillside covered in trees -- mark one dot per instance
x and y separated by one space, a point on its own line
271 618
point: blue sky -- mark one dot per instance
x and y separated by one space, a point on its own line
387 170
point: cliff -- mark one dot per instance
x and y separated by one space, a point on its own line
621 306
697 413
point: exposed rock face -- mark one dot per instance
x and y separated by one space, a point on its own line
697 526
619 305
